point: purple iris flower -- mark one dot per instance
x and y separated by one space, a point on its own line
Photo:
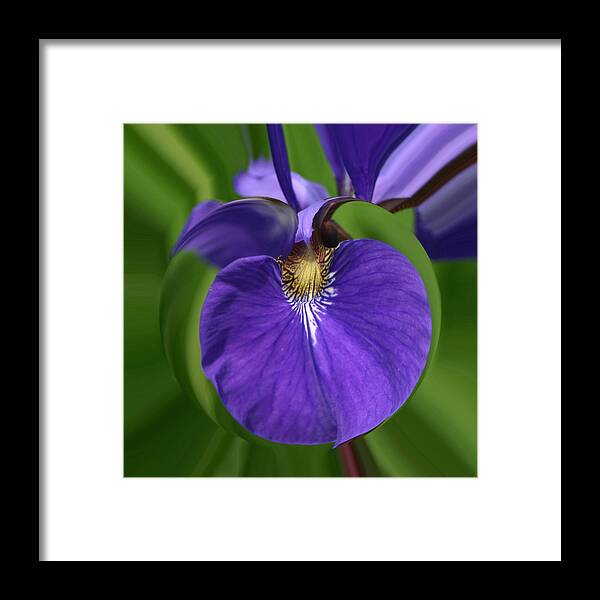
307 336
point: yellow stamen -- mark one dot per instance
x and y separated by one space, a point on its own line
304 272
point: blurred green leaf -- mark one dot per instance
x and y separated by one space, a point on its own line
165 432
170 445
259 141
223 148
149 382
181 155
184 289
156 202
435 432
458 342
307 156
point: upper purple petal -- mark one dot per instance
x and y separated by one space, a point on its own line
446 223
281 163
421 155
333 155
364 150
232 230
306 219
199 212
261 180
324 370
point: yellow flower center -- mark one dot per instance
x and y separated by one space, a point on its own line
304 273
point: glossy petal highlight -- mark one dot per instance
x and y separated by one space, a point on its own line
254 226
427 150
324 370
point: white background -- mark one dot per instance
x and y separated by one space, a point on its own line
511 511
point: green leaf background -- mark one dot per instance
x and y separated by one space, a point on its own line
174 423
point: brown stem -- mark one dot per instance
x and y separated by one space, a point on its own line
350 461
452 169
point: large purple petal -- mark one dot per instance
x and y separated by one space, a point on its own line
364 150
427 150
255 352
261 180
282 164
446 223
232 230
324 370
